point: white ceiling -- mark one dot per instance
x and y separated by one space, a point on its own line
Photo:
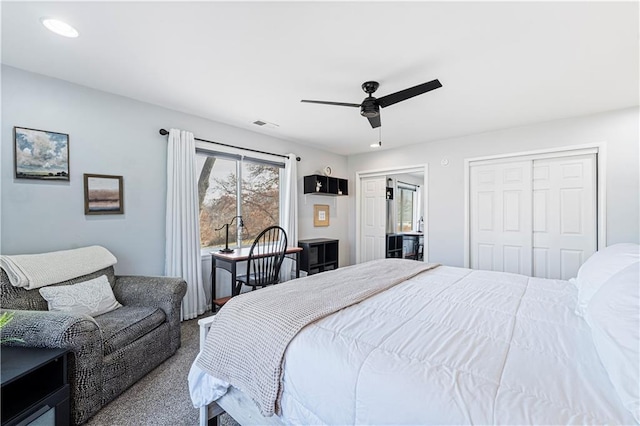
502 64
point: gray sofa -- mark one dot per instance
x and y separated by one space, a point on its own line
111 351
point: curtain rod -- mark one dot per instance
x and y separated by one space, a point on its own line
164 132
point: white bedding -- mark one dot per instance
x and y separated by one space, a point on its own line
450 346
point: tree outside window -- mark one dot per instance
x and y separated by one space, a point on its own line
260 198
230 187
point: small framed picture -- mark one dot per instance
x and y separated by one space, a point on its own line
40 154
103 194
320 215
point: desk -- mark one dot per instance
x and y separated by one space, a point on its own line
228 262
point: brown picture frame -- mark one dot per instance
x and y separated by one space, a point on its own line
103 194
320 215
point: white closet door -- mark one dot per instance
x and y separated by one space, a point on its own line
501 217
564 215
372 219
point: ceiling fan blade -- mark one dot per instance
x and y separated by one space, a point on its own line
332 103
375 121
405 94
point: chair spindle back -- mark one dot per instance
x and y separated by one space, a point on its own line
266 256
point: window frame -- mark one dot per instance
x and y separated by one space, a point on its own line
401 187
240 160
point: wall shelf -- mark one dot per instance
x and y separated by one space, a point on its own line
389 193
325 185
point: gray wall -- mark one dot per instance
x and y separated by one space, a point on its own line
445 226
111 134
114 135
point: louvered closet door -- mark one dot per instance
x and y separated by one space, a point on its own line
501 217
564 215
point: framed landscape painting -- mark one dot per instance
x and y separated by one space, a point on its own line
40 154
103 194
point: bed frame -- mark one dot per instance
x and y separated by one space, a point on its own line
239 406
213 410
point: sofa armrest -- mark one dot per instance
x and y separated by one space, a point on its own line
161 292
47 329
165 293
80 334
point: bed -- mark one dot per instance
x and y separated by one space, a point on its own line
451 346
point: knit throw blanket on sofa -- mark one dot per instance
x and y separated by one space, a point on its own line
38 270
248 337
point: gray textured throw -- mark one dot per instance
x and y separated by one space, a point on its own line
248 338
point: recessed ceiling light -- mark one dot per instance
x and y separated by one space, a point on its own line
59 27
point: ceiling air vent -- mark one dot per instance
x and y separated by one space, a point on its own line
266 124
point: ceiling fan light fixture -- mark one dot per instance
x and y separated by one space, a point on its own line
370 106
59 27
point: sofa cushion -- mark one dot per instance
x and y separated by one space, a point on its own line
20 298
127 324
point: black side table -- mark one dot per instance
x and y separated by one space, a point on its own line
319 255
34 386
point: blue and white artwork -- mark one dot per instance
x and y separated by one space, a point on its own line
41 154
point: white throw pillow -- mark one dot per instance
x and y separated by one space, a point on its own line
601 266
614 318
93 297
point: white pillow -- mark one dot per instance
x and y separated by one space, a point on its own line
601 266
614 318
93 297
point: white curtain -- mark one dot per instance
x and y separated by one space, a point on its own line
289 212
182 237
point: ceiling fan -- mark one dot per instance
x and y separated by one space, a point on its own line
370 106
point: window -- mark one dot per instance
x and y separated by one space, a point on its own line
229 186
406 207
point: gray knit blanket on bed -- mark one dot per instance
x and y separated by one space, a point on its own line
248 337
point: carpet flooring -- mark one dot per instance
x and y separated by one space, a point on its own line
161 398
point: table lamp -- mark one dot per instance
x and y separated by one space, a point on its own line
226 248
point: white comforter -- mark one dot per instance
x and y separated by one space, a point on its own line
450 346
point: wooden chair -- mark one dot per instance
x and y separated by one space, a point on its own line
265 259
263 264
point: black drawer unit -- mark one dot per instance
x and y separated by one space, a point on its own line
318 255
